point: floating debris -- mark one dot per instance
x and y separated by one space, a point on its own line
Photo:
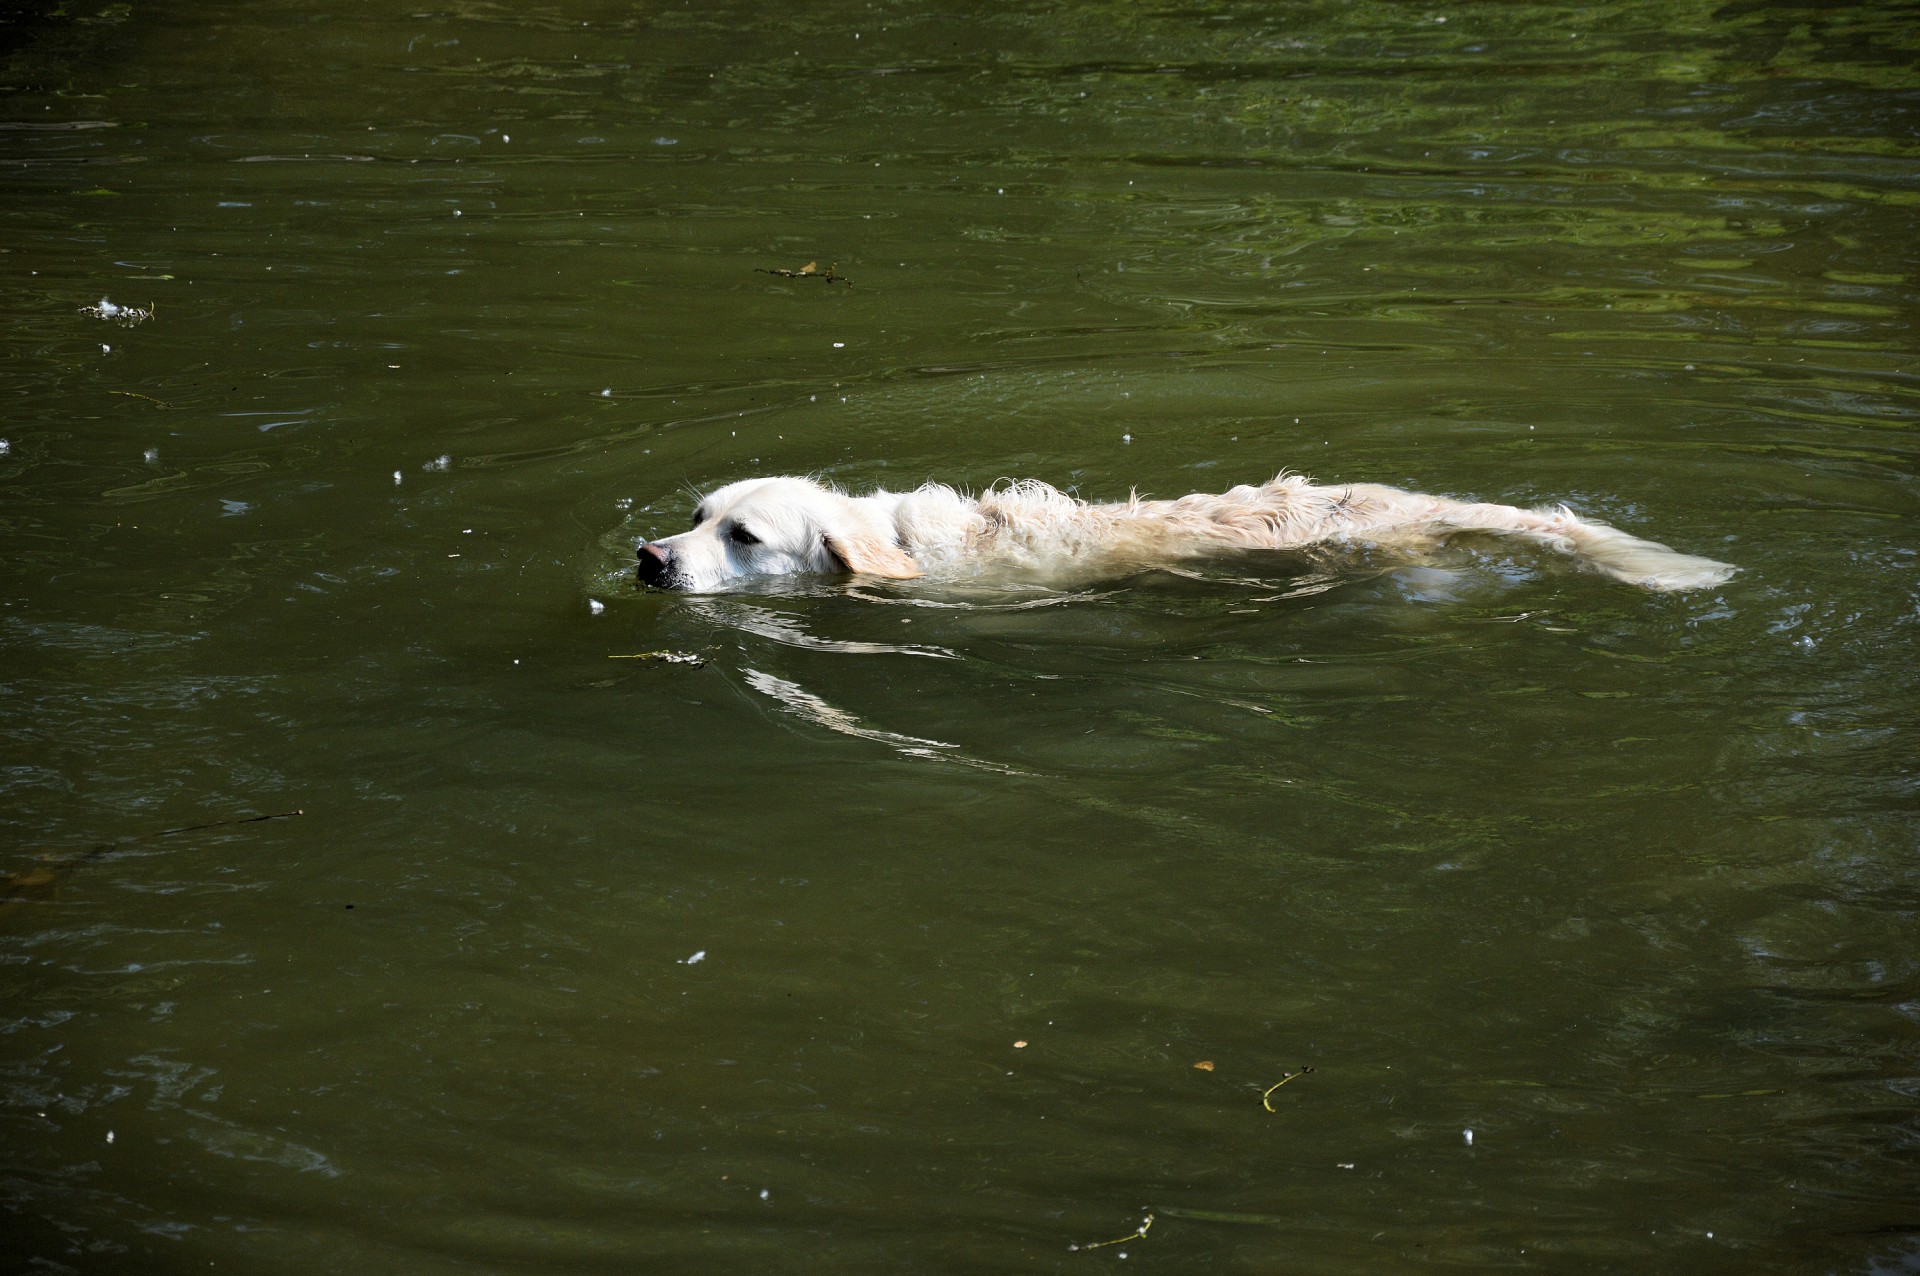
693 658
1205 1065
1134 1235
128 315
50 874
809 271
135 394
694 960
1276 1085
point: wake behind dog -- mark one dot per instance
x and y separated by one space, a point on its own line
786 526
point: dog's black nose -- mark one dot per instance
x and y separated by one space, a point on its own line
654 563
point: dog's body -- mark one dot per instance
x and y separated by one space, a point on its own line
784 526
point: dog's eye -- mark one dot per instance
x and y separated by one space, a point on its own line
741 536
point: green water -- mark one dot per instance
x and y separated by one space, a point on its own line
889 938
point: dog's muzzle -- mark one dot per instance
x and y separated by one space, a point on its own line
656 566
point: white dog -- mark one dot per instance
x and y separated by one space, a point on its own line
783 526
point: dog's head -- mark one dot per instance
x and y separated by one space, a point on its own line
775 527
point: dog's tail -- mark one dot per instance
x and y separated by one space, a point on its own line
1615 553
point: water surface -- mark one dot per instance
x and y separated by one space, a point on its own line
894 934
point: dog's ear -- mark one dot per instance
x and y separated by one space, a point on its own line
871 556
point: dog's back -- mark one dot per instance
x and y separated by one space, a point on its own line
1040 528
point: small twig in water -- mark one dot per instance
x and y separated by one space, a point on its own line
809 271
54 869
1276 1085
135 394
693 658
1134 1235
220 824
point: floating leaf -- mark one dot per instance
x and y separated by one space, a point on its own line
32 879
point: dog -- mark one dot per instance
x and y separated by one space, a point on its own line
770 527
